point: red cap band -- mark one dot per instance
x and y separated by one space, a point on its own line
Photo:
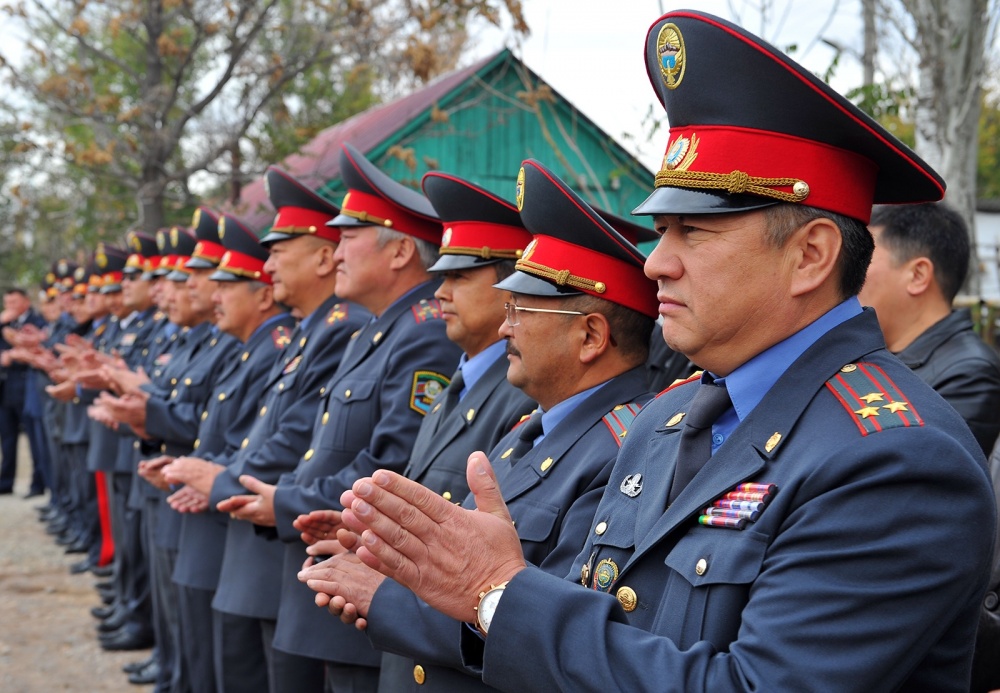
378 211
244 266
592 272
484 239
208 251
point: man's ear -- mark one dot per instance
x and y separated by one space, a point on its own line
404 250
325 265
921 276
813 251
596 337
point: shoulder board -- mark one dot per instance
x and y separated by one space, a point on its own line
619 419
681 381
337 314
281 337
872 399
427 309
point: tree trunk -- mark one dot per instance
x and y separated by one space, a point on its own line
950 43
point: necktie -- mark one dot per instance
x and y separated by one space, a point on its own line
696 439
526 434
453 393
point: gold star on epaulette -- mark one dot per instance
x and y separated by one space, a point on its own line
865 412
895 407
873 397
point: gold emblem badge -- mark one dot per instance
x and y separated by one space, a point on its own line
222 228
529 250
446 238
174 237
161 240
519 190
101 256
675 419
605 575
681 154
772 442
627 598
196 218
133 241
671 55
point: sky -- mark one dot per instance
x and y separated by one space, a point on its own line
591 51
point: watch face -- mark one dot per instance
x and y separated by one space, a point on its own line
488 606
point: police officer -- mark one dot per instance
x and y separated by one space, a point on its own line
825 543
303 270
578 311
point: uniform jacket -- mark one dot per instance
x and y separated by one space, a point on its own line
231 411
368 419
250 579
985 663
951 358
77 425
489 410
552 493
14 378
865 570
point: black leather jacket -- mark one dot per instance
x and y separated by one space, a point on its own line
952 359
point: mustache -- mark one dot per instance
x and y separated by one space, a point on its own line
512 350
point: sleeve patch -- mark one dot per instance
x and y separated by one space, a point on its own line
281 337
872 399
426 386
337 314
619 419
427 309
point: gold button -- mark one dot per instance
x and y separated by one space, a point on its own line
173 393
187 381
263 410
322 391
302 342
197 443
326 417
470 415
76 400
347 392
506 453
546 463
418 675
163 447
136 445
246 355
375 340
173 381
281 386
627 598
222 396
246 441
446 495
145 352
701 566
213 342
204 415
309 455
601 528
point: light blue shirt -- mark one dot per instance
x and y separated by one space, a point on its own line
748 384
475 368
554 416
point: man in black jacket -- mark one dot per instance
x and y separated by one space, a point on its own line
920 262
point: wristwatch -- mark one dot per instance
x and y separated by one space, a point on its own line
488 601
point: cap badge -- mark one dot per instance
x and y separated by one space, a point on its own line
133 241
50 278
671 54
161 240
101 256
196 219
222 228
519 190
174 236
681 154
63 267
529 250
446 238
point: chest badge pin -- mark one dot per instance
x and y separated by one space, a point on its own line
631 485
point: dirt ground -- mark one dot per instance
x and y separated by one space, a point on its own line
47 636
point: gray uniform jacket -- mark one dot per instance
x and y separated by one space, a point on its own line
552 493
368 420
250 578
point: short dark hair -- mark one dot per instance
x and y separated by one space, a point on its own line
16 290
504 269
932 230
855 252
630 329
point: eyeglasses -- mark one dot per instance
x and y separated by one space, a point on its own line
513 309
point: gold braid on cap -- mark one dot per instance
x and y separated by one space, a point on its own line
240 272
367 218
735 183
485 252
560 277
